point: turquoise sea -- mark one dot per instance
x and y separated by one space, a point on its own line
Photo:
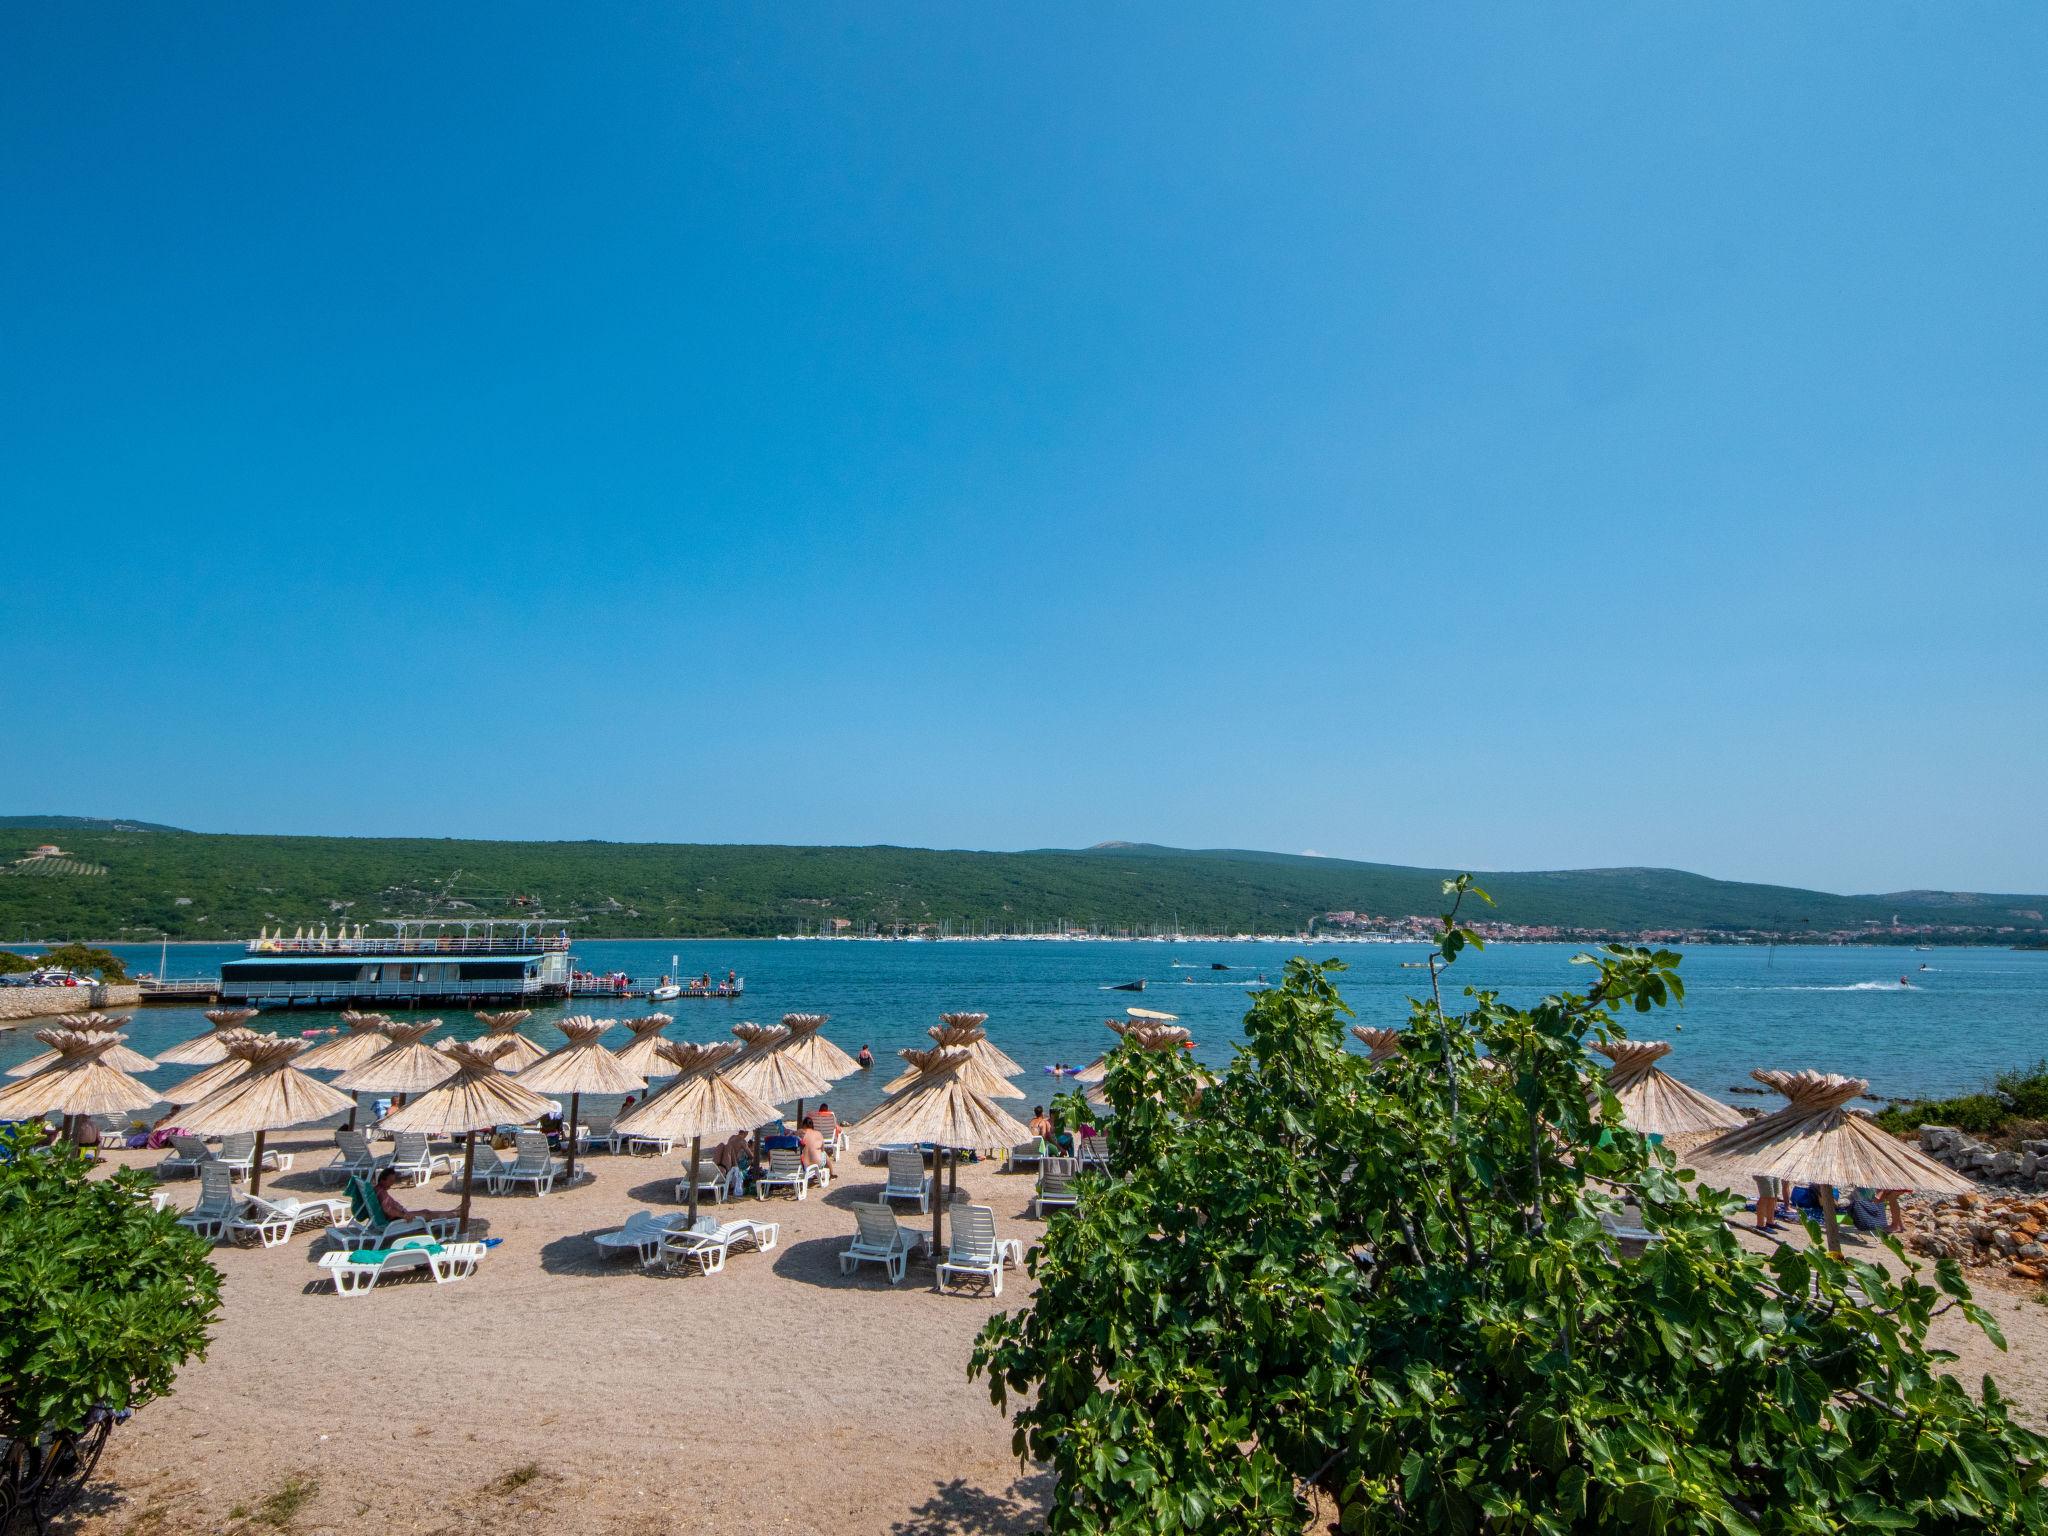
1967 1015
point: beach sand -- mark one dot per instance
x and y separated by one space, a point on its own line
566 1392
574 1393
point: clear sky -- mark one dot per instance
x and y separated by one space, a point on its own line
1506 436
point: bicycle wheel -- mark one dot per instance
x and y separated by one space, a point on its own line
69 1466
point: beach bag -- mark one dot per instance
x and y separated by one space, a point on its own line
1868 1215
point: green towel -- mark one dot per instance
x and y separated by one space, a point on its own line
379 1255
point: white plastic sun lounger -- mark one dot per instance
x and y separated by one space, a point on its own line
218 1204
975 1250
352 1158
1055 1185
879 1238
642 1234
595 1129
786 1167
272 1223
713 1182
355 1273
710 1240
1026 1154
532 1164
826 1123
907 1179
411 1160
188 1155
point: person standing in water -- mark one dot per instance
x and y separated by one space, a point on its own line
866 1057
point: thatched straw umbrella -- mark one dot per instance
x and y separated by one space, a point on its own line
204 1050
273 1095
1815 1139
938 1107
1141 1034
519 1052
478 1097
643 1055
770 1073
582 1066
702 1104
1383 1043
811 1048
1654 1103
976 1072
118 1056
364 1040
404 1066
78 1081
207 1081
984 1049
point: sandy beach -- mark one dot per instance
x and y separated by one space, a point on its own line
563 1390
569 1391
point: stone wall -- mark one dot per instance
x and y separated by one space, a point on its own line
2026 1167
40 1002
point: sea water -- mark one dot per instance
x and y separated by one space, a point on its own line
1914 1023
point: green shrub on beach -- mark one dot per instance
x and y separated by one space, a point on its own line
2016 1104
1381 1297
101 1298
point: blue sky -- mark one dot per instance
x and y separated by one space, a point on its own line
1497 436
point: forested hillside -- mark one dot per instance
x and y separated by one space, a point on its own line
126 880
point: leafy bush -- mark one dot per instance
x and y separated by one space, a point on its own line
101 1298
2016 1104
1383 1295
12 964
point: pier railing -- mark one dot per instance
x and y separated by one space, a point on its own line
442 944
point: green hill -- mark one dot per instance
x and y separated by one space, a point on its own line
124 879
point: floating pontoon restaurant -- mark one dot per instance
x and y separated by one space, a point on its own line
421 964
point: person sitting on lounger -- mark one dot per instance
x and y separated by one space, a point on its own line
393 1211
810 1143
1041 1123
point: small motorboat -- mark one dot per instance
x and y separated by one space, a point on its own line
668 992
1218 965
1414 965
1128 986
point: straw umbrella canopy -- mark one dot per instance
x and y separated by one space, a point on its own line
118 1056
79 1081
702 1104
209 1080
478 1097
272 1095
582 1066
1654 1103
404 1066
363 1036
204 1050
519 1053
1383 1043
642 1055
817 1053
940 1108
977 1072
1145 1035
770 1073
1815 1139
985 1049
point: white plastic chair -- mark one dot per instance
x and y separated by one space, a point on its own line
188 1155
713 1182
907 1179
878 1239
975 1250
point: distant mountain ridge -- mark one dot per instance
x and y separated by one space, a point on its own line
147 879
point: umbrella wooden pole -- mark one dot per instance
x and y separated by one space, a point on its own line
468 1174
938 1197
574 1100
256 1167
696 1146
355 1106
1832 1226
